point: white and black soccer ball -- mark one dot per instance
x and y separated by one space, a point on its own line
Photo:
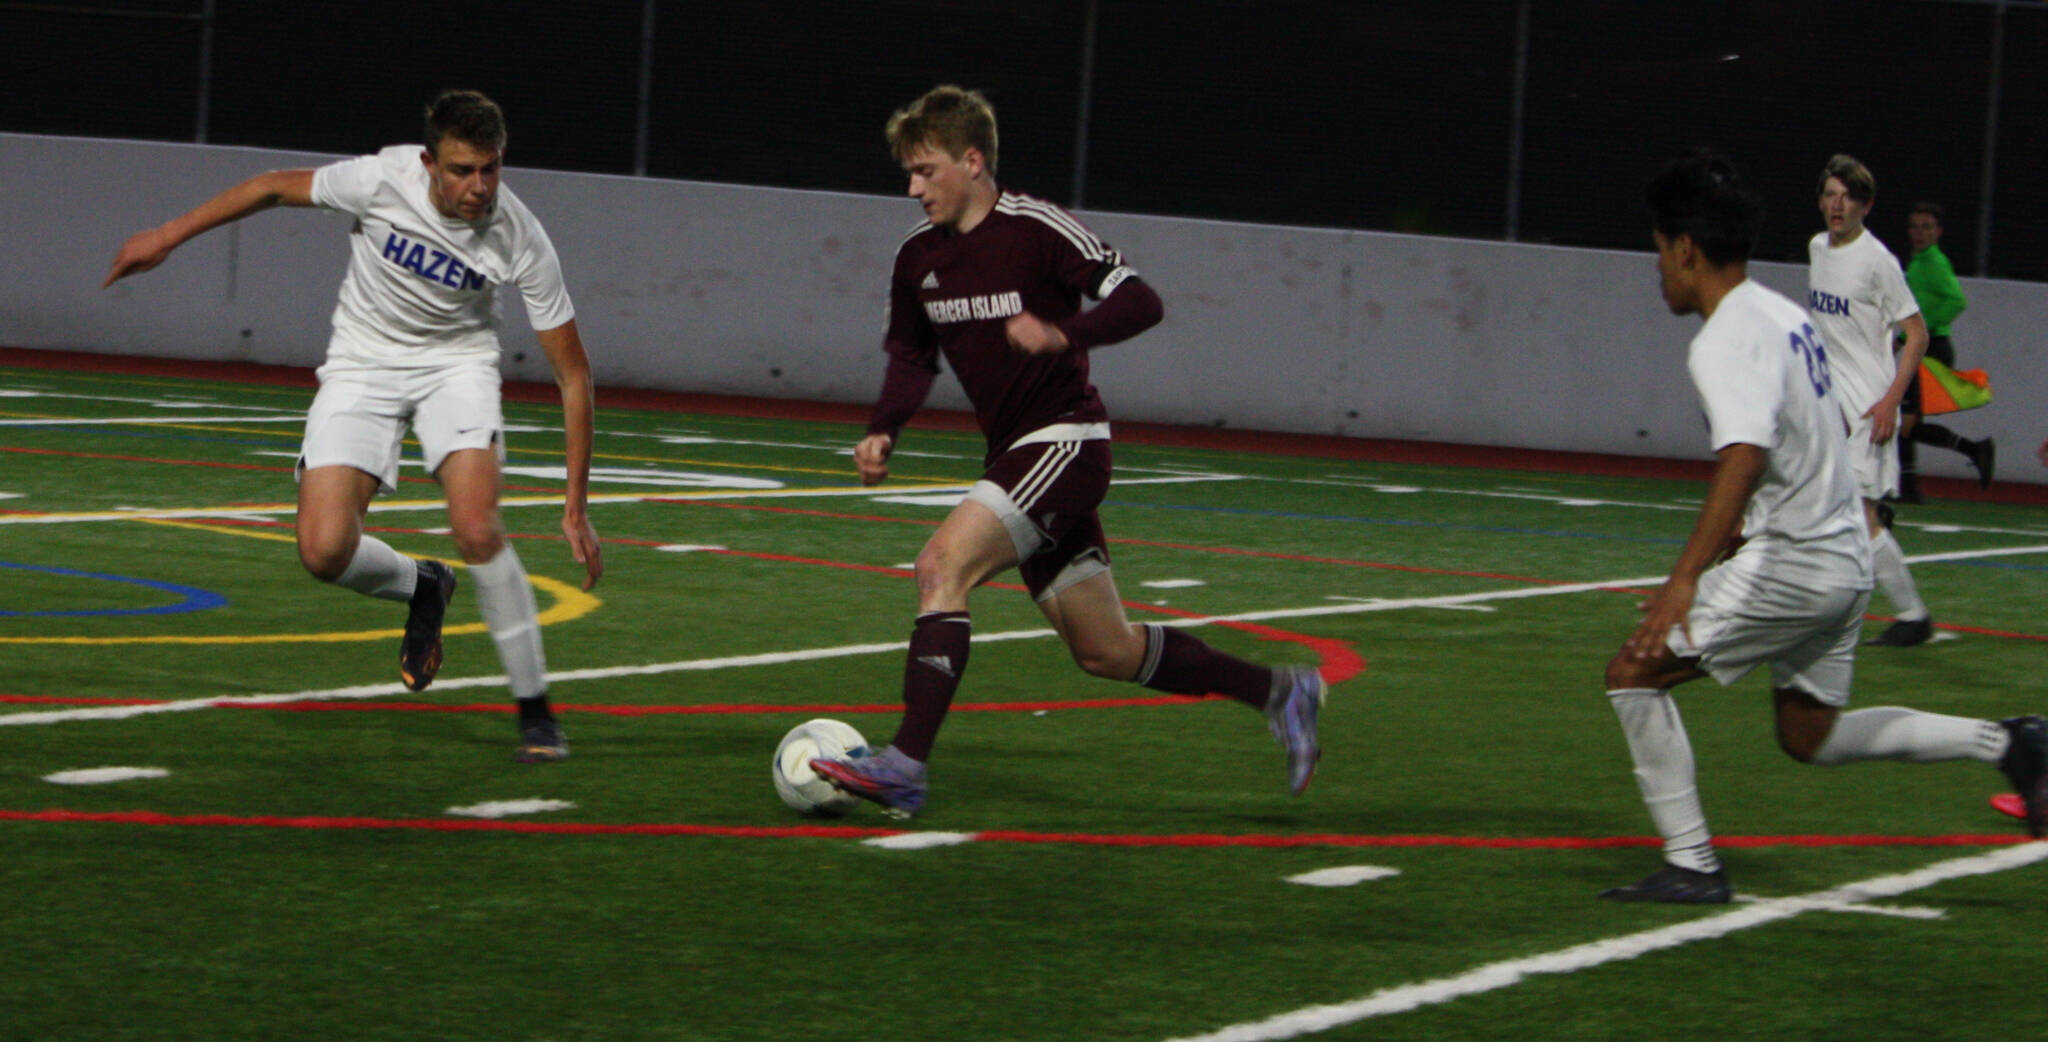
796 783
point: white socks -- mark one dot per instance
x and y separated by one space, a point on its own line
1895 733
505 599
380 571
1664 772
1894 580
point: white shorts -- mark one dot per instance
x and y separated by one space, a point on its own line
359 417
1876 466
1743 616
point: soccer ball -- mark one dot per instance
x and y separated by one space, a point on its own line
796 783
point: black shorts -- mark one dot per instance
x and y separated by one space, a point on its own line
1046 495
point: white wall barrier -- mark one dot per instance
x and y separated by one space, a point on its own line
777 293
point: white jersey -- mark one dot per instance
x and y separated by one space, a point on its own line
1764 378
1856 294
420 285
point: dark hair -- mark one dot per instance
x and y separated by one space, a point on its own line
467 116
1931 209
1856 178
1701 195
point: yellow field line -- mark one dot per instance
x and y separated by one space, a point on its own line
570 604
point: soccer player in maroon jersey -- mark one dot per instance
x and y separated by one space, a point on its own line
993 280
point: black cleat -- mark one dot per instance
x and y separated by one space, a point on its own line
1984 457
542 742
2026 766
419 657
1674 885
1905 633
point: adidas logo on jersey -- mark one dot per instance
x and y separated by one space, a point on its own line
931 281
942 663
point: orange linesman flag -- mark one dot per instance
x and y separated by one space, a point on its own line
1951 390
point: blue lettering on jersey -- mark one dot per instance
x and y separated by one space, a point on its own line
1806 343
1826 303
432 265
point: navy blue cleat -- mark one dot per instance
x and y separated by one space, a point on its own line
542 742
1674 885
2026 766
419 657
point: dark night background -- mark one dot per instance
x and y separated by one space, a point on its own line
1391 115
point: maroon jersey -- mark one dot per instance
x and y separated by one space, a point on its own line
952 293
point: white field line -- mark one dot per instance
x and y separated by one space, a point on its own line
403 506
53 716
407 505
1495 976
773 658
1690 506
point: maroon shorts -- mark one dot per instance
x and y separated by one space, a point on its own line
1046 495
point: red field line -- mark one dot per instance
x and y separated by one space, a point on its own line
723 708
710 708
570 828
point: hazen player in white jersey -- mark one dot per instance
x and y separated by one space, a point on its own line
1781 516
993 281
435 234
1857 294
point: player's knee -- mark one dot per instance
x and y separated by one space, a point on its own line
1803 732
477 539
1114 658
326 567
1109 664
939 576
325 560
1625 672
1802 747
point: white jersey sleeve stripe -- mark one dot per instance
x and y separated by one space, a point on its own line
1058 220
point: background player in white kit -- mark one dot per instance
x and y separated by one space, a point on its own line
414 343
1857 293
1782 516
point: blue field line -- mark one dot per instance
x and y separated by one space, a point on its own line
194 598
112 431
2002 563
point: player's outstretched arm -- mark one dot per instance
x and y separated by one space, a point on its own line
564 347
148 248
1738 469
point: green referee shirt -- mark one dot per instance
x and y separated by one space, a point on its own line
1933 282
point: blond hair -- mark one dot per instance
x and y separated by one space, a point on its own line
949 118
